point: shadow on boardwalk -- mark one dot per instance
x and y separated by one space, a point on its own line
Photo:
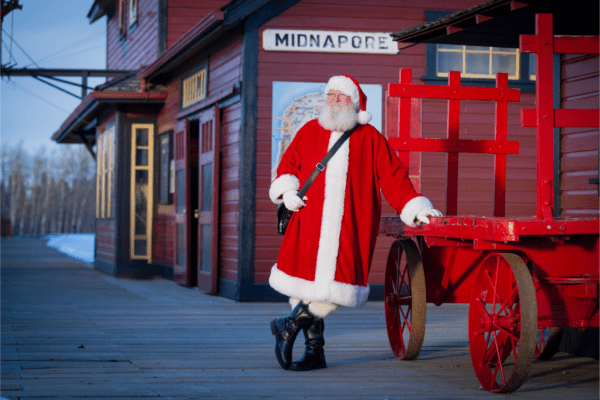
69 331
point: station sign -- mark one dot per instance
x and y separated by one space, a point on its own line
328 41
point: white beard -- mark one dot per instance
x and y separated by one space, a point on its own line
338 119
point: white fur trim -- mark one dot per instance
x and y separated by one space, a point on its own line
336 176
344 85
364 117
281 185
324 288
294 302
412 208
321 310
318 309
342 294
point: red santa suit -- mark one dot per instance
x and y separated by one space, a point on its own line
328 245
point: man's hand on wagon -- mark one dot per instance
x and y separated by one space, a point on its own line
423 215
292 201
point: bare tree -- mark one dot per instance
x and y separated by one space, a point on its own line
48 192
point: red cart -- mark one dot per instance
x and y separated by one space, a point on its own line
525 279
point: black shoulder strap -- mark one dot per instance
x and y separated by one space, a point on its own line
321 166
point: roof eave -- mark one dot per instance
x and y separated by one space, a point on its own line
95 101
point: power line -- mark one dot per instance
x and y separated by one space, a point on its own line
40 98
20 48
71 54
70 47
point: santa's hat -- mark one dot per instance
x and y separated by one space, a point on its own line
347 85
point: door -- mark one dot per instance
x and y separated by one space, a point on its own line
208 200
185 170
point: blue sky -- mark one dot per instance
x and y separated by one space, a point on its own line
53 34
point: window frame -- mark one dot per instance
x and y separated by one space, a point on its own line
524 83
200 72
105 168
133 13
149 168
165 197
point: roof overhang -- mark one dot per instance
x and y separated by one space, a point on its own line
79 127
500 22
99 9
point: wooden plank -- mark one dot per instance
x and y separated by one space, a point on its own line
175 342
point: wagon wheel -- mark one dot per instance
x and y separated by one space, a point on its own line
502 323
405 303
548 341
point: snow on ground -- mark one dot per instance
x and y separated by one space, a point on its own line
77 245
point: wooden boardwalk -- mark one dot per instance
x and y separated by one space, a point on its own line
71 332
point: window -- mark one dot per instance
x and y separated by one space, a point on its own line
478 65
165 178
133 10
121 17
105 167
141 209
476 61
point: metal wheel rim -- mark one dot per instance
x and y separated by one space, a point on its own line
502 323
405 301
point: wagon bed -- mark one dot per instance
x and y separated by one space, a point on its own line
525 279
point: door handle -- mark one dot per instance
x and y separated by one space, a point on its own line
196 214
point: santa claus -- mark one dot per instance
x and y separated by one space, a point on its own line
328 246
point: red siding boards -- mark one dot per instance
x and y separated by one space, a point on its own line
230 161
182 15
579 146
105 240
138 46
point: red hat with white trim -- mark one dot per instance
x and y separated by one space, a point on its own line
350 87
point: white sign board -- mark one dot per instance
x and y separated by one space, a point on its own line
328 41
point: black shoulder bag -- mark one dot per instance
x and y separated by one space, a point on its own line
283 214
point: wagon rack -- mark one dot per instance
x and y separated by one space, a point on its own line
525 279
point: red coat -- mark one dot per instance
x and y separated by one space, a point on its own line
328 246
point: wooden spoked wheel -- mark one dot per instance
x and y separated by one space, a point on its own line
502 323
548 341
405 302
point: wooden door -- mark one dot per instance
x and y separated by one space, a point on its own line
208 199
184 263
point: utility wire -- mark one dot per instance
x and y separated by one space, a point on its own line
73 54
70 47
40 98
20 48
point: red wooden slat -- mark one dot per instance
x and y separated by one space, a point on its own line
453 93
500 159
545 106
563 118
455 146
563 45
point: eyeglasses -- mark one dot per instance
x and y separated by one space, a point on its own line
338 96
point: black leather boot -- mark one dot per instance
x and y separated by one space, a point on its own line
314 355
286 329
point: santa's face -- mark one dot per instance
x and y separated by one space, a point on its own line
339 114
337 99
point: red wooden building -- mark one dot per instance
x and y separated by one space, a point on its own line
185 145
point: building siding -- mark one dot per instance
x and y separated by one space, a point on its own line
579 146
139 45
105 240
182 15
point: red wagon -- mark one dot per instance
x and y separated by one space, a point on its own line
525 279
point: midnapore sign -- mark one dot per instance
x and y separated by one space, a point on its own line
328 41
